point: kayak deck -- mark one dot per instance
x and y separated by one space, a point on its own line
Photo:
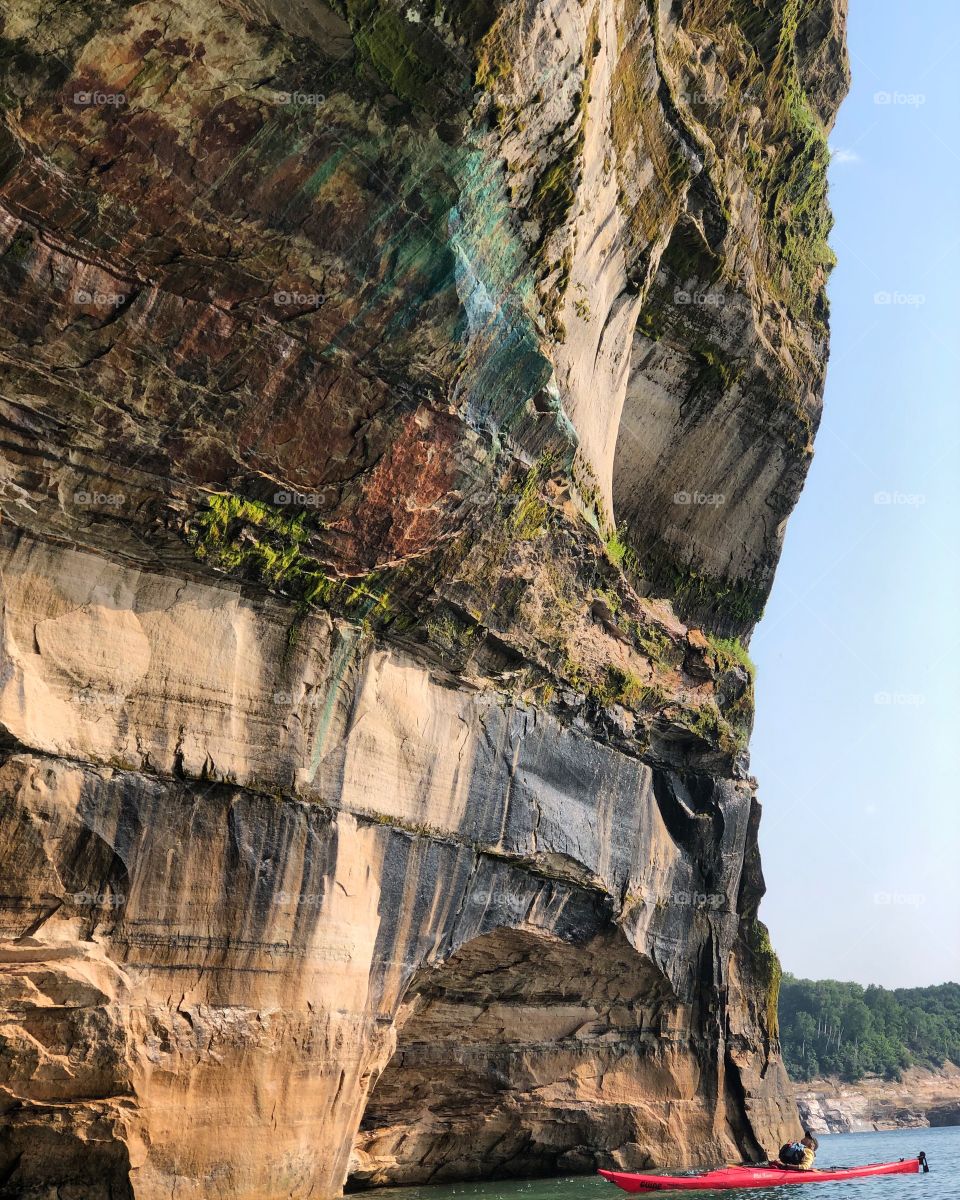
751 1177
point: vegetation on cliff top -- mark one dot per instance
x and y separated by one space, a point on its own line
832 1028
792 182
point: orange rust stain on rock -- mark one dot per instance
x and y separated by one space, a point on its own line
402 505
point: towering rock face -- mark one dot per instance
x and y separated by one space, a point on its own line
401 404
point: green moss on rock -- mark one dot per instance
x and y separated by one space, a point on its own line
768 968
261 543
791 183
732 652
711 599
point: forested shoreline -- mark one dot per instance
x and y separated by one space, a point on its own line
832 1028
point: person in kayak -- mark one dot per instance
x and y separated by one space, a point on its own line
800 1155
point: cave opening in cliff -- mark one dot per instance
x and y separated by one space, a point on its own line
523 1055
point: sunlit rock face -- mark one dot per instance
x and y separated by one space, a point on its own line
924 1097
402 405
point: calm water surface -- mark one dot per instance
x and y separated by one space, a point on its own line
839 1150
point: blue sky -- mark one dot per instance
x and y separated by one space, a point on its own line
858 653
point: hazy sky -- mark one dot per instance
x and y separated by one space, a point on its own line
858 725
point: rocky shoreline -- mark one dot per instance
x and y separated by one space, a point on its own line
923 1098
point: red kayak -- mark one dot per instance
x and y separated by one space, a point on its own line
754 1177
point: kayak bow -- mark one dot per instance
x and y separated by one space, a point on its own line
761 1176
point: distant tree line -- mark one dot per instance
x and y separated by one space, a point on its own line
831 1028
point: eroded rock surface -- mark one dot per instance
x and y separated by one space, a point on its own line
401 408
921 1098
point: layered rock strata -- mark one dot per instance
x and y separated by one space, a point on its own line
920 1099
401 405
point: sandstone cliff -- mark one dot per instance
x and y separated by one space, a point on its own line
401 407
922 1098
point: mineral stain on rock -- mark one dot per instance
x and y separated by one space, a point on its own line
402 405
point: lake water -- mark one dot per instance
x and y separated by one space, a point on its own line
838 1150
